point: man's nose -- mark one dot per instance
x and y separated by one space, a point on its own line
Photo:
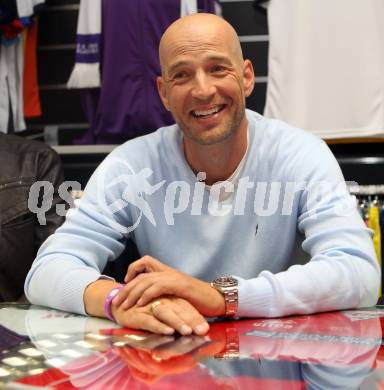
203 87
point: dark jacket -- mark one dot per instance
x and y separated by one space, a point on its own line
23 162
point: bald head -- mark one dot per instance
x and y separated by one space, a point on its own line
196 32
205 79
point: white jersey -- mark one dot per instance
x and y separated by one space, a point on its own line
326 66
11 86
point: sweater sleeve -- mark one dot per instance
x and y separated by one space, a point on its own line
76 255
343 271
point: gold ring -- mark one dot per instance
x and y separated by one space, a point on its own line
154 305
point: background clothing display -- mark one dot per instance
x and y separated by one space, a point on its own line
325 70
86 72
127 104
371 208
19 96
57 45
11 86
22 163
32 107
129 197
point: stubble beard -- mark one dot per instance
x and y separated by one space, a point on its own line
217 137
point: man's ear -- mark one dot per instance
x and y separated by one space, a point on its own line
162 92
248 77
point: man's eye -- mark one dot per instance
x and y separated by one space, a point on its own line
180 75
218 69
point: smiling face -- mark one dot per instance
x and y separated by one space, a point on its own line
204 78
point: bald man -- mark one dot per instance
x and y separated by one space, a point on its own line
240 225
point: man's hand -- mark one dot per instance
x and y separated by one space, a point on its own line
170 314
165 317
144 265
149 279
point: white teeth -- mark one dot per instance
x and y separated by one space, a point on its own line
208 112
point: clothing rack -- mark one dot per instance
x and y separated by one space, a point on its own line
370 202
366 190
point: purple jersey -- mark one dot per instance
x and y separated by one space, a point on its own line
128 105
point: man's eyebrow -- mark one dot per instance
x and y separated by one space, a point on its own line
176 65
220 59
212 58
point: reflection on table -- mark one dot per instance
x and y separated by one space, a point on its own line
337 350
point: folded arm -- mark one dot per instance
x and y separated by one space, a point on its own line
342 273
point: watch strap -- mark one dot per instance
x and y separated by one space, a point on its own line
228 287
231 301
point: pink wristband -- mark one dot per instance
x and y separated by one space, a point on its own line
108 301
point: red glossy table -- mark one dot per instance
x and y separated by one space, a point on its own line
49 348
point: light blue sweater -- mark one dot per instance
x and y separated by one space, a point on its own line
302 248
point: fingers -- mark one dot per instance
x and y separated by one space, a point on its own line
181 316
138 320
192 317
152 324
145 264
146 287
132 291
151 292
167 315
135 269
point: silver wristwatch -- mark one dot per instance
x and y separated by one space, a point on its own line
227 285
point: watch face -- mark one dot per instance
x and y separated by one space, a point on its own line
225 281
